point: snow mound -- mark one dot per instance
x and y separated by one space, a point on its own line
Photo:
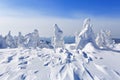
89 47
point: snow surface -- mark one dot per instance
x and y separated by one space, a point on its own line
70 64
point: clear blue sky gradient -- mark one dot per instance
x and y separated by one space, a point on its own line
63 8
69 14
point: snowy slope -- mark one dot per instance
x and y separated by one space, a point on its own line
69 64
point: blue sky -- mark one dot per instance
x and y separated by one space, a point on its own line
27 15
66 8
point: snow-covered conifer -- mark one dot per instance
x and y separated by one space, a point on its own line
10 41
86 35
58 41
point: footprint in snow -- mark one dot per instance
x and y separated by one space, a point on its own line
23 62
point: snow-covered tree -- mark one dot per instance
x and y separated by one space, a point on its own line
15 40
104 40
2 42
20 40
58 41
34 39
76 37
10 40
86 35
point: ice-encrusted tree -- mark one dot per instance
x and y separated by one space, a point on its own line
76 37
104 40
86 35
2 42
20 40
10 41
33 40
15 40
58 41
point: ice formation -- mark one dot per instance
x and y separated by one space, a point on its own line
104 40
20 40
34 39
58 41
2 42
10 40
86 35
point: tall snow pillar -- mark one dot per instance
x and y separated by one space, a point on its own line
58 41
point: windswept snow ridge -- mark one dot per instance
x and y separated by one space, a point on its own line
45 64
